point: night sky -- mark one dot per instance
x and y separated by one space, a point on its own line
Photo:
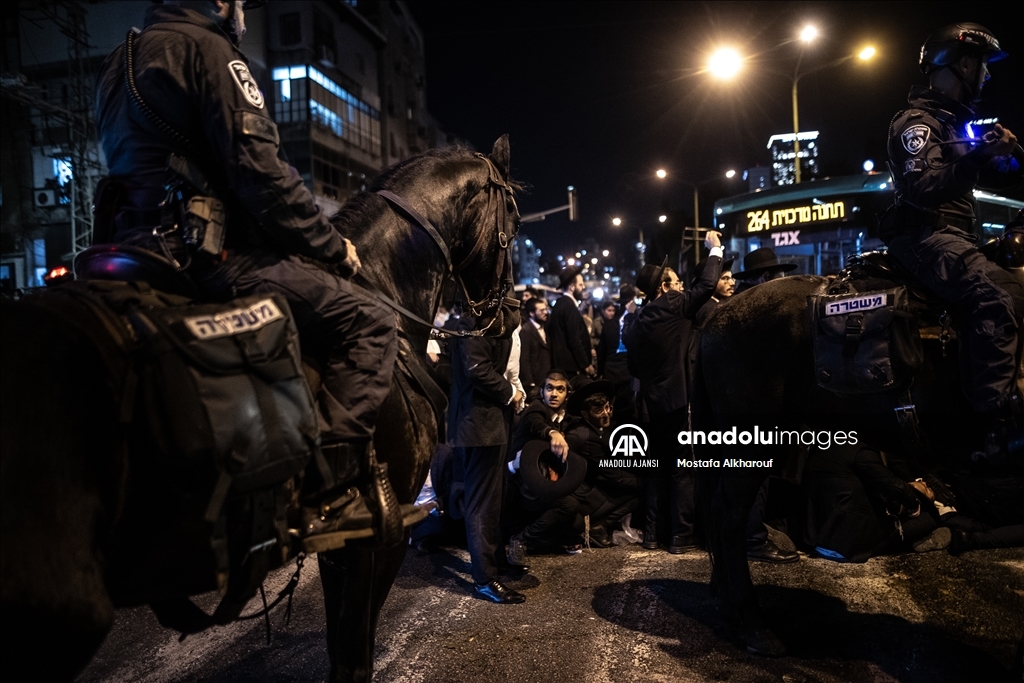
601 94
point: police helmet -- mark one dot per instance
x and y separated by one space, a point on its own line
951 42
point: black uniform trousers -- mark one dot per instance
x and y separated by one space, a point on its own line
953 269
484 471
350 334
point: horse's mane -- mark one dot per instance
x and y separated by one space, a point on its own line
360 209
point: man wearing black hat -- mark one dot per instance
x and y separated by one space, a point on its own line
567 333
761 265
659 352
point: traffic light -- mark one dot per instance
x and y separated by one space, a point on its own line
574 208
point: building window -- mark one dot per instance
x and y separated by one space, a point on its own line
304 93
290 26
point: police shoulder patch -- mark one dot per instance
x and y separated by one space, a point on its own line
246 83
915 138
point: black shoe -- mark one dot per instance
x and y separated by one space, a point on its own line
495 591
516 552
770 552
681 545
650 540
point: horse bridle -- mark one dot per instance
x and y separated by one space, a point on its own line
504 228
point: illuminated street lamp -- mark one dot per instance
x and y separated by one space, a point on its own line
731 173
808 34
725 63
616 221
661 173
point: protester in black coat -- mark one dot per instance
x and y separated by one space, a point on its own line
568 337
658 343
479 418
854 502
535 355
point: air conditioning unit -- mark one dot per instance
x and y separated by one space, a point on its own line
325 55
45 198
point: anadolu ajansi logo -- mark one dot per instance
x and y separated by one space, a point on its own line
628 440
628 444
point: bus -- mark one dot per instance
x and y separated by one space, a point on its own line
820 224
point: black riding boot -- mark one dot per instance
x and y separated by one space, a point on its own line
352 499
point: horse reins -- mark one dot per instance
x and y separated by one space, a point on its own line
502 285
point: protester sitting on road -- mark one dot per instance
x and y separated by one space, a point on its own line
610 493
543 523
858 508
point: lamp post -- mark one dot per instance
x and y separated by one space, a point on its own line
807 35
696 209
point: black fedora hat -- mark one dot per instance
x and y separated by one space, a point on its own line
698 270
760 261
536 462
649 279
583 388
566 277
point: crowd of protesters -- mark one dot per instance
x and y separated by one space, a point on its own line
528 467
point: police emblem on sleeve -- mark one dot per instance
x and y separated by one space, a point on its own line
915 138
246 83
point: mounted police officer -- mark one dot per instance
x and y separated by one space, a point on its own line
189 142
931 230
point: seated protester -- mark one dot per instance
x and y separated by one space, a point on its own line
609 493
551 523
857 508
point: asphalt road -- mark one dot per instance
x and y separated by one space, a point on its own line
624 614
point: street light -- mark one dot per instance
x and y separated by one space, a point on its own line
731 173
808 34
725 63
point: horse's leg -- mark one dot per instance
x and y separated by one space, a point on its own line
356 580
731 501
347 579
61 469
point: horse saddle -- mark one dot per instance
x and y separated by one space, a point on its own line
124 263
219 421
869 326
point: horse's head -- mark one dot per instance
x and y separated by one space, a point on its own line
447 213
482 264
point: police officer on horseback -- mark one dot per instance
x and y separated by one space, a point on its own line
930 230
197 176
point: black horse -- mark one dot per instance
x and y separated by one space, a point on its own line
756 368
69 481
